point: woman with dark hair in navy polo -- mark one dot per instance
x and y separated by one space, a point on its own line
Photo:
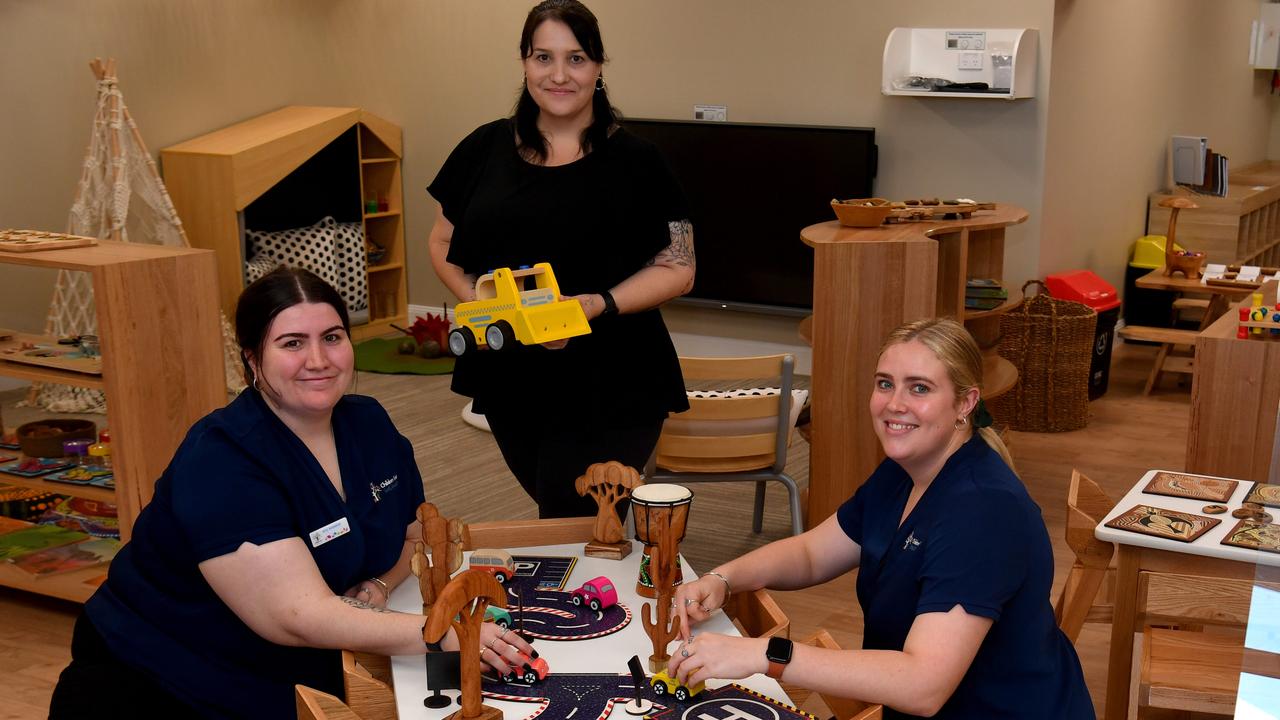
273 539
954 563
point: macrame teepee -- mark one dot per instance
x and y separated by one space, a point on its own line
120 197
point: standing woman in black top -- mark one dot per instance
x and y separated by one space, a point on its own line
562 181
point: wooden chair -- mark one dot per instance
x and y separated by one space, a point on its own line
1087 505
316 705
1168 358
843 708
736 438
757 614
1197 671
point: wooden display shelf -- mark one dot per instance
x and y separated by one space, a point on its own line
889 275
375 160
1242 226
158 329
67 586
35 373
90 492
998 376
381 214
385 267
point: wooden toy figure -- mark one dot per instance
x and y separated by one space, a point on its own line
607 483
444 538
461 605
661 515
1187 262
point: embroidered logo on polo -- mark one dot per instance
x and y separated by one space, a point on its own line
376 489
912 543
335 529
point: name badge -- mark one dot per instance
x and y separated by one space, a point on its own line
335 529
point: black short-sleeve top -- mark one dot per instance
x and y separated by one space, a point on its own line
597 220
241 476
975 539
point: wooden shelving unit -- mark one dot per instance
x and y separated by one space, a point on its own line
215 177
867 282
1243 227
157 311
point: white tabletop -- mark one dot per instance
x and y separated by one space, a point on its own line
608 654
1207 545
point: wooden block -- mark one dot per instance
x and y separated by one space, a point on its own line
609 551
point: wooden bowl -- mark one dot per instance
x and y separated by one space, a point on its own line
43 438
863 212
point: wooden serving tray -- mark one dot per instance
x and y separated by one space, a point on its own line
59 357
36 240
917 213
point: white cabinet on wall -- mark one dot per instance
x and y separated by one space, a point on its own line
1004 59
1264 50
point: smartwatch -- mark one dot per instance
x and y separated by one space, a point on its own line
610 307
778 653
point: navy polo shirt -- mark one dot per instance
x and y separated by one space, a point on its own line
975 539
241 476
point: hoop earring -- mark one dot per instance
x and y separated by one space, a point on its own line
961 422
600 86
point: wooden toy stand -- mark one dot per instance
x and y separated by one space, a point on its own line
660 525
607 483
461 605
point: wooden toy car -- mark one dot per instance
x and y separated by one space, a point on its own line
664 684
596 593
499 616
504 311
496 562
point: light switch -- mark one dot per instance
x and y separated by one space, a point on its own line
970 60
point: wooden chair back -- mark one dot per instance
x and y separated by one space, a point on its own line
732 434
843 708
757 614
316 705
1087 505
523 533
366 679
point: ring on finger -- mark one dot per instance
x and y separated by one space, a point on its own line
684 652
504 633
688 602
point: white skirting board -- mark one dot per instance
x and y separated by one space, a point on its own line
698 345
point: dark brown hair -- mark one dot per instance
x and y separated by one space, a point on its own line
272 294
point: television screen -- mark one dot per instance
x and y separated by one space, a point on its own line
751 189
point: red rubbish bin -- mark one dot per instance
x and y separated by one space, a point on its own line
1083 286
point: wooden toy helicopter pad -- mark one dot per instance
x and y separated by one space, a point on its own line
592 696
46 352
36 240
542 607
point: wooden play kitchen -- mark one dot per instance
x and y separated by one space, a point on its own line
867 282
161 370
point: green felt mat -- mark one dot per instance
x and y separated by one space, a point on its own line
381 355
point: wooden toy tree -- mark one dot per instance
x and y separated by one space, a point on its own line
461 605
662 568
444 537
607 483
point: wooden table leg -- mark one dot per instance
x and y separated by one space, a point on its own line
1120 666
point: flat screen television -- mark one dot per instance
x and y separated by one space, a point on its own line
751 189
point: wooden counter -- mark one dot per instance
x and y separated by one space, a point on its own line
867 281
1234 399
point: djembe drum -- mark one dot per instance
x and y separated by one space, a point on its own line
658 509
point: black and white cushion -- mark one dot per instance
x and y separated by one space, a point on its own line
312 248
353 280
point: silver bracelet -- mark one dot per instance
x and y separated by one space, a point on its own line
386 591
728 589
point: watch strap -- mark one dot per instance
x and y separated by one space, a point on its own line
775 670
610 305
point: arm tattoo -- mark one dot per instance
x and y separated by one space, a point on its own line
362 604
680 251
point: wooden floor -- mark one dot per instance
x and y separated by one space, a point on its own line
465 476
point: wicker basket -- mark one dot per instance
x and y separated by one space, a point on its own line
1050 342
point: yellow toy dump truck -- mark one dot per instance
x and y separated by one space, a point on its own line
516 305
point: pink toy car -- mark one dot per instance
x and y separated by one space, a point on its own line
596 593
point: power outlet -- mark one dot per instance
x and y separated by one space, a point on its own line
970 60
714 113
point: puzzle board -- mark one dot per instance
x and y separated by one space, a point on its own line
592 696
1255 536
548 611
1264 494
1168 524
36 240
1196 487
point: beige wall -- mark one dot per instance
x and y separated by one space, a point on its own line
441 67
1126 76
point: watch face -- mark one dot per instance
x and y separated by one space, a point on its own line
779 650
